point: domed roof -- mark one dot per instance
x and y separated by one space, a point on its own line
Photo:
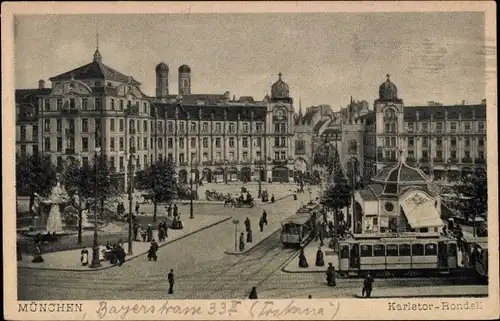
162 67
184 68
387 90
396 178
280 89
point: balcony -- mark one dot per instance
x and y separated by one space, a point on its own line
207 162
246 162
70 111
424 160
259 162
479 160
280 161
70 151
219 162
466 160
438 160
233 162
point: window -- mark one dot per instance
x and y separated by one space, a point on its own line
411 154
344 252
404 249
276 127
453 127
217 127
439 142
276 142
121 163
59 125
439 127
205 142
283 142
121 104
138 143
245 155
276 155
417 249
85 144
231 142
112 104
366 251
379 250
217 142
59 105
452 249
392 250
145 126
467 126
425 142
389 207
410 127
59 162
85 125
218 156
160 127
204 127
453 142
245 142
467 142
122 125
145 160
231 155
46 143
258 127
231 128
181 127
122 144
205 157
425 127
98 104
353 146
145 106
439 154
481 142
112 143
170 142
245 127
59 144
430 249
138 126
258 142
181 142
192 127
467 154
181 158
23 132
480 126
160 143
97 125
35 150
193 142
453 154
47 105
35 132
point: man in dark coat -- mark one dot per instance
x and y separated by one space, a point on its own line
149 233
135 229
121 255
137 206
261 224
264 217
272 198
249 236
247 224
320 258
152 251
176 210
330 275
367 286
171 282
253 293
169 210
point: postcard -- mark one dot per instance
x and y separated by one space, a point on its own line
250 160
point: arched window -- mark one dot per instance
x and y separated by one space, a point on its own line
390 121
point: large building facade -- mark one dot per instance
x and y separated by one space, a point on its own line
445 142
215 137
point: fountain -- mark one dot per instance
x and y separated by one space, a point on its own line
54 222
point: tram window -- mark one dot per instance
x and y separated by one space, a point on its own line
366 250
344 252
379 250
392 250
417 249
452 249
430 249
404 249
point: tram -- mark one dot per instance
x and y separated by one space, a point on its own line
406 253
476 249
296 230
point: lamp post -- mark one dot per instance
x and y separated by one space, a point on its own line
95 246
225 177
236 222
260 177
353 161
191 215
130 198
448 169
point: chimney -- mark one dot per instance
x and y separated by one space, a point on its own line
41 84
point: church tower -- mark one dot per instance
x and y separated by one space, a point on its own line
184 80
161 80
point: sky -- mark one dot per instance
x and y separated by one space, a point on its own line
325 57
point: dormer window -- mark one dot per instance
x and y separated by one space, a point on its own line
109 84
129 88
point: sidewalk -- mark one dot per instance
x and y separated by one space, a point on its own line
70 260
310 252
276 213
425 291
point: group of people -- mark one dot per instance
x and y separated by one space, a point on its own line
248 230
115 252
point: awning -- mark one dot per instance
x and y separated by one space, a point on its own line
420 212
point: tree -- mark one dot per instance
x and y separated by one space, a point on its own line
159 180
35 174
474 189
82 191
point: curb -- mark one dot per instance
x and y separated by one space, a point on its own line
132 257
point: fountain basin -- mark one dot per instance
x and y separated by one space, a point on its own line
42 233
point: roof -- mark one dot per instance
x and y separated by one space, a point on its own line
395 178
440 112
29 95
194 98
97 70
296 219
368 194
208 111
421 215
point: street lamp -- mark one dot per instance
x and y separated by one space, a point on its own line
353 162
236 222
191 215
448 170
95 247
226 162
260 177
130 197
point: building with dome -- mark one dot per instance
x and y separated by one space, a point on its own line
400 198
444 142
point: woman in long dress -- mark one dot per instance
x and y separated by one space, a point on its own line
84 257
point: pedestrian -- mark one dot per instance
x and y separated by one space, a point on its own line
310 296
320 261
253 293
242 242
169 210
149 232
37 257
165 226
84 257
367 286
264 217
272 198
330 275
261 224
247 224
161 232
176 210
249 236
121 255
137 206
302 259
152 251
135 229
171 282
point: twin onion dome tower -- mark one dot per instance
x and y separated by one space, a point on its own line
162 80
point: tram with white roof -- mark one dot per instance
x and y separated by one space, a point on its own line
296 230
397 253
